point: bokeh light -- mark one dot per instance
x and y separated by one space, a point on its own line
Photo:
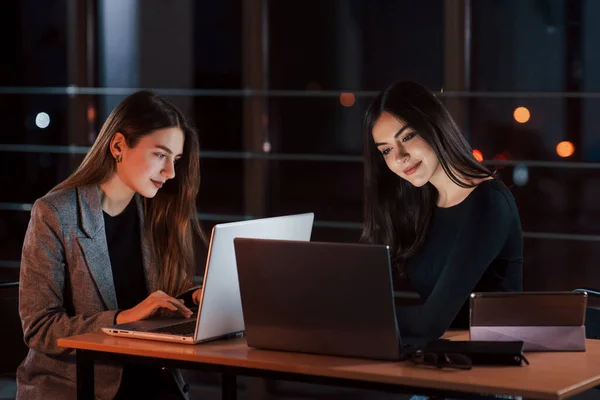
565 149
521 115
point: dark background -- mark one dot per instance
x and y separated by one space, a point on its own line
267 75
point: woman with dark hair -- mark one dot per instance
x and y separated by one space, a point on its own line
452 228
113 243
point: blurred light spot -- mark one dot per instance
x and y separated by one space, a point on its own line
91 113
520 175
521 115
442 90
565 149
478 155
347 99
267 147
42 120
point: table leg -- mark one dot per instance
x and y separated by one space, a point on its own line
228 387
85 375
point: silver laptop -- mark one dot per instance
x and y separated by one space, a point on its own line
220 310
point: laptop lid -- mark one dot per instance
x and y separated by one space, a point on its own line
219 311
323 298
220 308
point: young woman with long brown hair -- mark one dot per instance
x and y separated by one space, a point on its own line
113 243
452 227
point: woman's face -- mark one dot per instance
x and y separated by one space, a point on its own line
147 166
406 154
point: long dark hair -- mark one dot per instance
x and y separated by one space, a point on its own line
171 218
396 212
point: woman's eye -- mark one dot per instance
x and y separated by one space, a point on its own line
409 136
386 151
160 155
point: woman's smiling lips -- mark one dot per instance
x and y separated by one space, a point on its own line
158 184
413 169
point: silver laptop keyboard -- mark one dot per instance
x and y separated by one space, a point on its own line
185 329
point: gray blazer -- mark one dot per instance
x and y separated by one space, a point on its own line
66 288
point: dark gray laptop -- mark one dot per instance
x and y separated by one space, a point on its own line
324 298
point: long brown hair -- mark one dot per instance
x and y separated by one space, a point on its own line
170 217
396 212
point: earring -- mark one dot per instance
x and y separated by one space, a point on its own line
119 158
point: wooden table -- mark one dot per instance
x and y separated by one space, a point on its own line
549 375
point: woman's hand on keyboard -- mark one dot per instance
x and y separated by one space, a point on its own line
156 301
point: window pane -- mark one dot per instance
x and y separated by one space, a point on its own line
559 200
158 44
45 120
332 190
33 38
354 45
518 45
13 225
494 130
221 187
34 174
560 264
317 125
